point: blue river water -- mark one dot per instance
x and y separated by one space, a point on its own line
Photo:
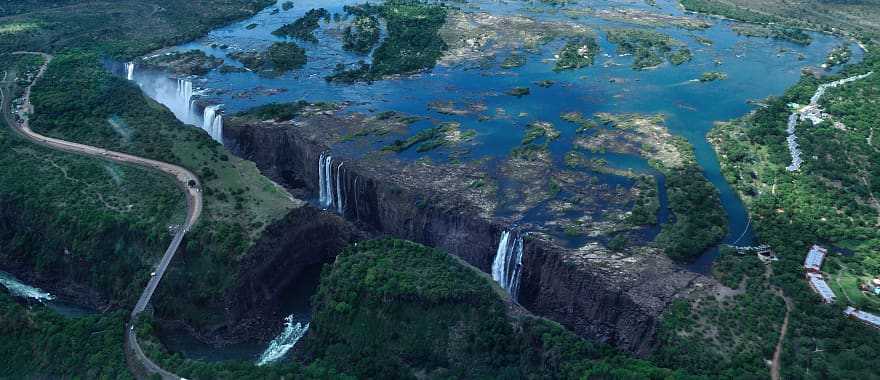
756 68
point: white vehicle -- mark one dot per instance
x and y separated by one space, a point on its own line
153 274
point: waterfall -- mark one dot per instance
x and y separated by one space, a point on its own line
279 346
325 180
507 266
328 196
184 98
212 122
340 203
19 289
129 70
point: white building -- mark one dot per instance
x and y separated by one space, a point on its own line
821 287
813 262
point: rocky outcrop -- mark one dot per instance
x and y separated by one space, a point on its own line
602 296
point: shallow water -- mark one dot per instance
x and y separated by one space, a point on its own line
756 68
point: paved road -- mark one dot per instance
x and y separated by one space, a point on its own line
186 180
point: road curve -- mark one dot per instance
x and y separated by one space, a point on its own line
186 180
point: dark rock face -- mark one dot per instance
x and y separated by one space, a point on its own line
373 202
303 238
599 295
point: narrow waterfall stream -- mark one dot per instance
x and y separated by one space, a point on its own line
507 266
129 70
330 195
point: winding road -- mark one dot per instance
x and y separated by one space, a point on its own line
186 180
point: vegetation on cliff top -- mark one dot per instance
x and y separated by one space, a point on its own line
78 100
102 215
399 310
829 202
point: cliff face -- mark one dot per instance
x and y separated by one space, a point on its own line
373 200
305 237
599 295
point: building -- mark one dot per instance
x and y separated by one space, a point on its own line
817 282
867 318
813 262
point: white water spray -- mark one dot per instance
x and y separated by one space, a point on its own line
507 266
279 346
19 289
325 182
129 70
212 122
185 98
340 203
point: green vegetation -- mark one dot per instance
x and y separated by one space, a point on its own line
649 47
577 53
513 61
279 58
795 35
396 309
540 130
727 10
110 220
828 201
285 56
304 27
647 205
37 340
519 91
413 43
361 35
124 28
431 138
838 56
711 76
75 100
700 220
584 124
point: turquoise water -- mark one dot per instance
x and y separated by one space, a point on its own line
756 68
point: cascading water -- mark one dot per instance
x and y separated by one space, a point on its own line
507 266
325 184
279 346
330 194
340 203
129 70
212 122
184 99
19 289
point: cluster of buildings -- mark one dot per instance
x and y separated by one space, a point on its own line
813 267
815 114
